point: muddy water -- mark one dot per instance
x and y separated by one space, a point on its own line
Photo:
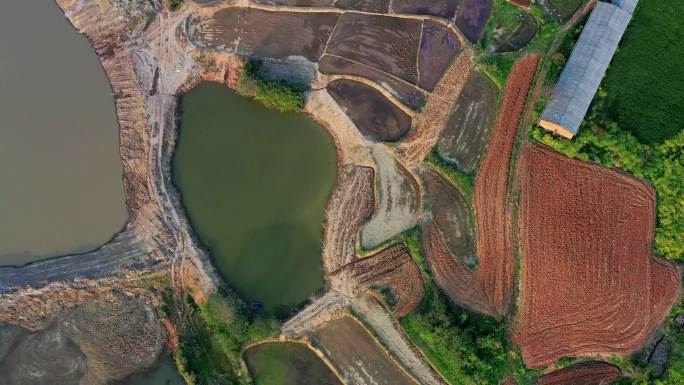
60 173
255 183
287 364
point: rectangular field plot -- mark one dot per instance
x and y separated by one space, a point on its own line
277 35
438 47
383 42
357 356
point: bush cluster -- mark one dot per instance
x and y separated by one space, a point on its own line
275 94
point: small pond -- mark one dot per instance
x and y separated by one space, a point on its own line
254 183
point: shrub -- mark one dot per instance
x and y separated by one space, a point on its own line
275 94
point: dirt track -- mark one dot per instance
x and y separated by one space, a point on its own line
589 281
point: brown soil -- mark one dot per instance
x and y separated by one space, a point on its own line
357 356
462 285
279 34
405 92
494 227
589 282
392 267
583 373
434 116
380 6
438 47
439 8
522 3
452 216
350 205
463 140
383 42
388 330
376 118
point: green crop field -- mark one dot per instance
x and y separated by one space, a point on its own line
645 81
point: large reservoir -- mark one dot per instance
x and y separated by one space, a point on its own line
61 190
254 183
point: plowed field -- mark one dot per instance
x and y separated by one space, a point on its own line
494 243
391 267
583 373
589 282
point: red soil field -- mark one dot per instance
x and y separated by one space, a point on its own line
494 242
583 373
521 3
391 267
589 282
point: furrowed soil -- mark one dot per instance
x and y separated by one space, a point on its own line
583 373
589 281
392 267
464 138
357 356
383 42
494 228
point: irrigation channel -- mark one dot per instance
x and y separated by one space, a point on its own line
60 173
254 183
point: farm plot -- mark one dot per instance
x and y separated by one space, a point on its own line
300 3
464 138
583 373
379 6
391 268
383 42
471 17
376 118
515 38
448 241
357 356
440 8
494 232
406 93
349 206
587 233
399 204
277 35
438 48
452 216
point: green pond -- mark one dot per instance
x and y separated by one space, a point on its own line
254 183
287 363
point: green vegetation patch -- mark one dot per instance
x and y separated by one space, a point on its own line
275 94
602 141
212 337
560 10
465 347
645 81
505 15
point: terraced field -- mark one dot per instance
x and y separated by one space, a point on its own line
583 373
